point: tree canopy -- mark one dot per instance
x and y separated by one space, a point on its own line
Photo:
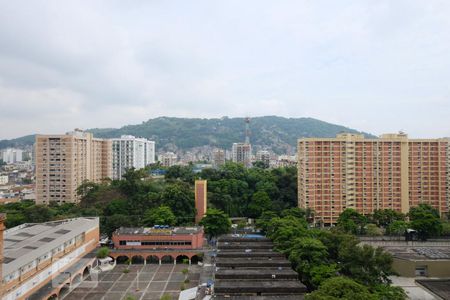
215 222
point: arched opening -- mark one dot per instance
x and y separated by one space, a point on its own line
76 280
64 291
152 259
53 297
86 272
182 259
137 260
167 259
123 259
196 258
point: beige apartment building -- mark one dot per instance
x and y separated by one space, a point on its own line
63 162
393 171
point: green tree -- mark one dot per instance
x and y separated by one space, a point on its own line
38 214
397 228
373 230
320 273
425 219
162 215
260 202
351 221
385 217
446 228
103 252
306 253
180 198
215 222
264 220
365 264
116 206
111 223
283 232
185 173
341 288
388 292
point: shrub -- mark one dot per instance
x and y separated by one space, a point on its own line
102 252
126 271
373 230
185 271
166 297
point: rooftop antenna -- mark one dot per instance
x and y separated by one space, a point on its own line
247 130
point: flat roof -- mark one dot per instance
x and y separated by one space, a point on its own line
440 287
420 253
158 231
27 242
267 297
258 286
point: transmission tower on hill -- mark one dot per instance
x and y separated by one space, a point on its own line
247 130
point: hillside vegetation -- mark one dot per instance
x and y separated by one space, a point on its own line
276 133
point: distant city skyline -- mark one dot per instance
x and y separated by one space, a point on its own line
374 66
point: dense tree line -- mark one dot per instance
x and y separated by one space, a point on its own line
139 200
331 263
422 218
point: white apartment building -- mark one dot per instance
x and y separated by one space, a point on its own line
242 153
218 158
168 159
12 155
264 156
4 179
131 152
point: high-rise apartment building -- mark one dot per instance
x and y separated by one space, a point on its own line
168 159
218 157
11 155
131 152
350 171
263 156
242 153
63 162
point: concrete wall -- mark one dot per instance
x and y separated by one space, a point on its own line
435 268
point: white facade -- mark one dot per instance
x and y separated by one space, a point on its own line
264 156
131 152
3 179
168 159
11 155
242 153
218 158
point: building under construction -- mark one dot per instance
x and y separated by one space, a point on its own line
242 152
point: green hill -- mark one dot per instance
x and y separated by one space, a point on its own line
277 133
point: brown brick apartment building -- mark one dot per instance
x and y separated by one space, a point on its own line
63 162
350 171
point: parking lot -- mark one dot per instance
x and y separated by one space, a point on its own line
140 282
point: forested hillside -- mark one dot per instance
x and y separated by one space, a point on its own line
276 133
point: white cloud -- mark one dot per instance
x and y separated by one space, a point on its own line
375 66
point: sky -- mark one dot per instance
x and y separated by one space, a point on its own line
376 66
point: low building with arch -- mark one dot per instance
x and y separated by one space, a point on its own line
45 260
158 245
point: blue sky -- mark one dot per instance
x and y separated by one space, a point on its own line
377 66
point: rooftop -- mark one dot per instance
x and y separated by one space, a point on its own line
420 253
27 242
158 231
439 287
248 265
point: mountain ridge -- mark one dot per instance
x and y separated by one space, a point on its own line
279 134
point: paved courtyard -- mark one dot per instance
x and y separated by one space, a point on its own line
140 282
